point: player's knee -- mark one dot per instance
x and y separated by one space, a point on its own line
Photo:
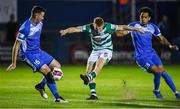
161 69
49 77
45 69
58 65
155 69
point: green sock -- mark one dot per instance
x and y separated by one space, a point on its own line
91 75
92 87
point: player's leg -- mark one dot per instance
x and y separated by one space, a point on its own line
98 67
46 71
49 62
147 64
90 65
169 81
33 61
57 65
157 77
165 75
92 84
54 63
105 56
157 81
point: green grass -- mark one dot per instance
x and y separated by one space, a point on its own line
17 89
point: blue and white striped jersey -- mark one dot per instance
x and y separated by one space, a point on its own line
143 42
29 35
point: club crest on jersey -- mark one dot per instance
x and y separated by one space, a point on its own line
97 39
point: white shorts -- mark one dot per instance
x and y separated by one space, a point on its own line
95 55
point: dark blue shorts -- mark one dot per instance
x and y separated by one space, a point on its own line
147 62
37 60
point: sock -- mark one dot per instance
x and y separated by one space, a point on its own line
169 81
92 87
91 75
157 79
52 86
43 82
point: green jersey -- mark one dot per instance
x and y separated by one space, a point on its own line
103 39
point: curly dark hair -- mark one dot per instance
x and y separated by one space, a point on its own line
146 9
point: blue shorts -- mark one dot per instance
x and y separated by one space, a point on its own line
147 62
37 60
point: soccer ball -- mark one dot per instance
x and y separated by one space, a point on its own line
57 74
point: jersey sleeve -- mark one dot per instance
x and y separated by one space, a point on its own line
111 27
23 32
131 24
157 31
86 28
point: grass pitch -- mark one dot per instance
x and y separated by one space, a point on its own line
120 86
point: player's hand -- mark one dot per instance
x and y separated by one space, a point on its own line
11 67
173 47
62 32
141 31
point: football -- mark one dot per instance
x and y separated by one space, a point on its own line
57 74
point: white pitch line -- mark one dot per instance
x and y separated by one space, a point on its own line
120 102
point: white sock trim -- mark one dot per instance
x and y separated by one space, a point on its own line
93 90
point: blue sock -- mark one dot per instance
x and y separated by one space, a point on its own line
157 79
169 81
52 86
43 82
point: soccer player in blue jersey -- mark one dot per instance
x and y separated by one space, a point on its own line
28 45
145 56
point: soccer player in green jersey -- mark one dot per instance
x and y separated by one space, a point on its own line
100 34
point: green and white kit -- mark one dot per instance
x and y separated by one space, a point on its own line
101 42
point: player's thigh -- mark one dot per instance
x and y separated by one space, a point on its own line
46 57
146 64
103 59
156 60
105 55
158 63
34 61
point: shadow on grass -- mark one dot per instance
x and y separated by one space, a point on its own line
142 103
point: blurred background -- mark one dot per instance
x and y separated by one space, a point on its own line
75 48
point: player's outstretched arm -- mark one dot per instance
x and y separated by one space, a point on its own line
121 33
129 28
12 66
70 30
164 41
